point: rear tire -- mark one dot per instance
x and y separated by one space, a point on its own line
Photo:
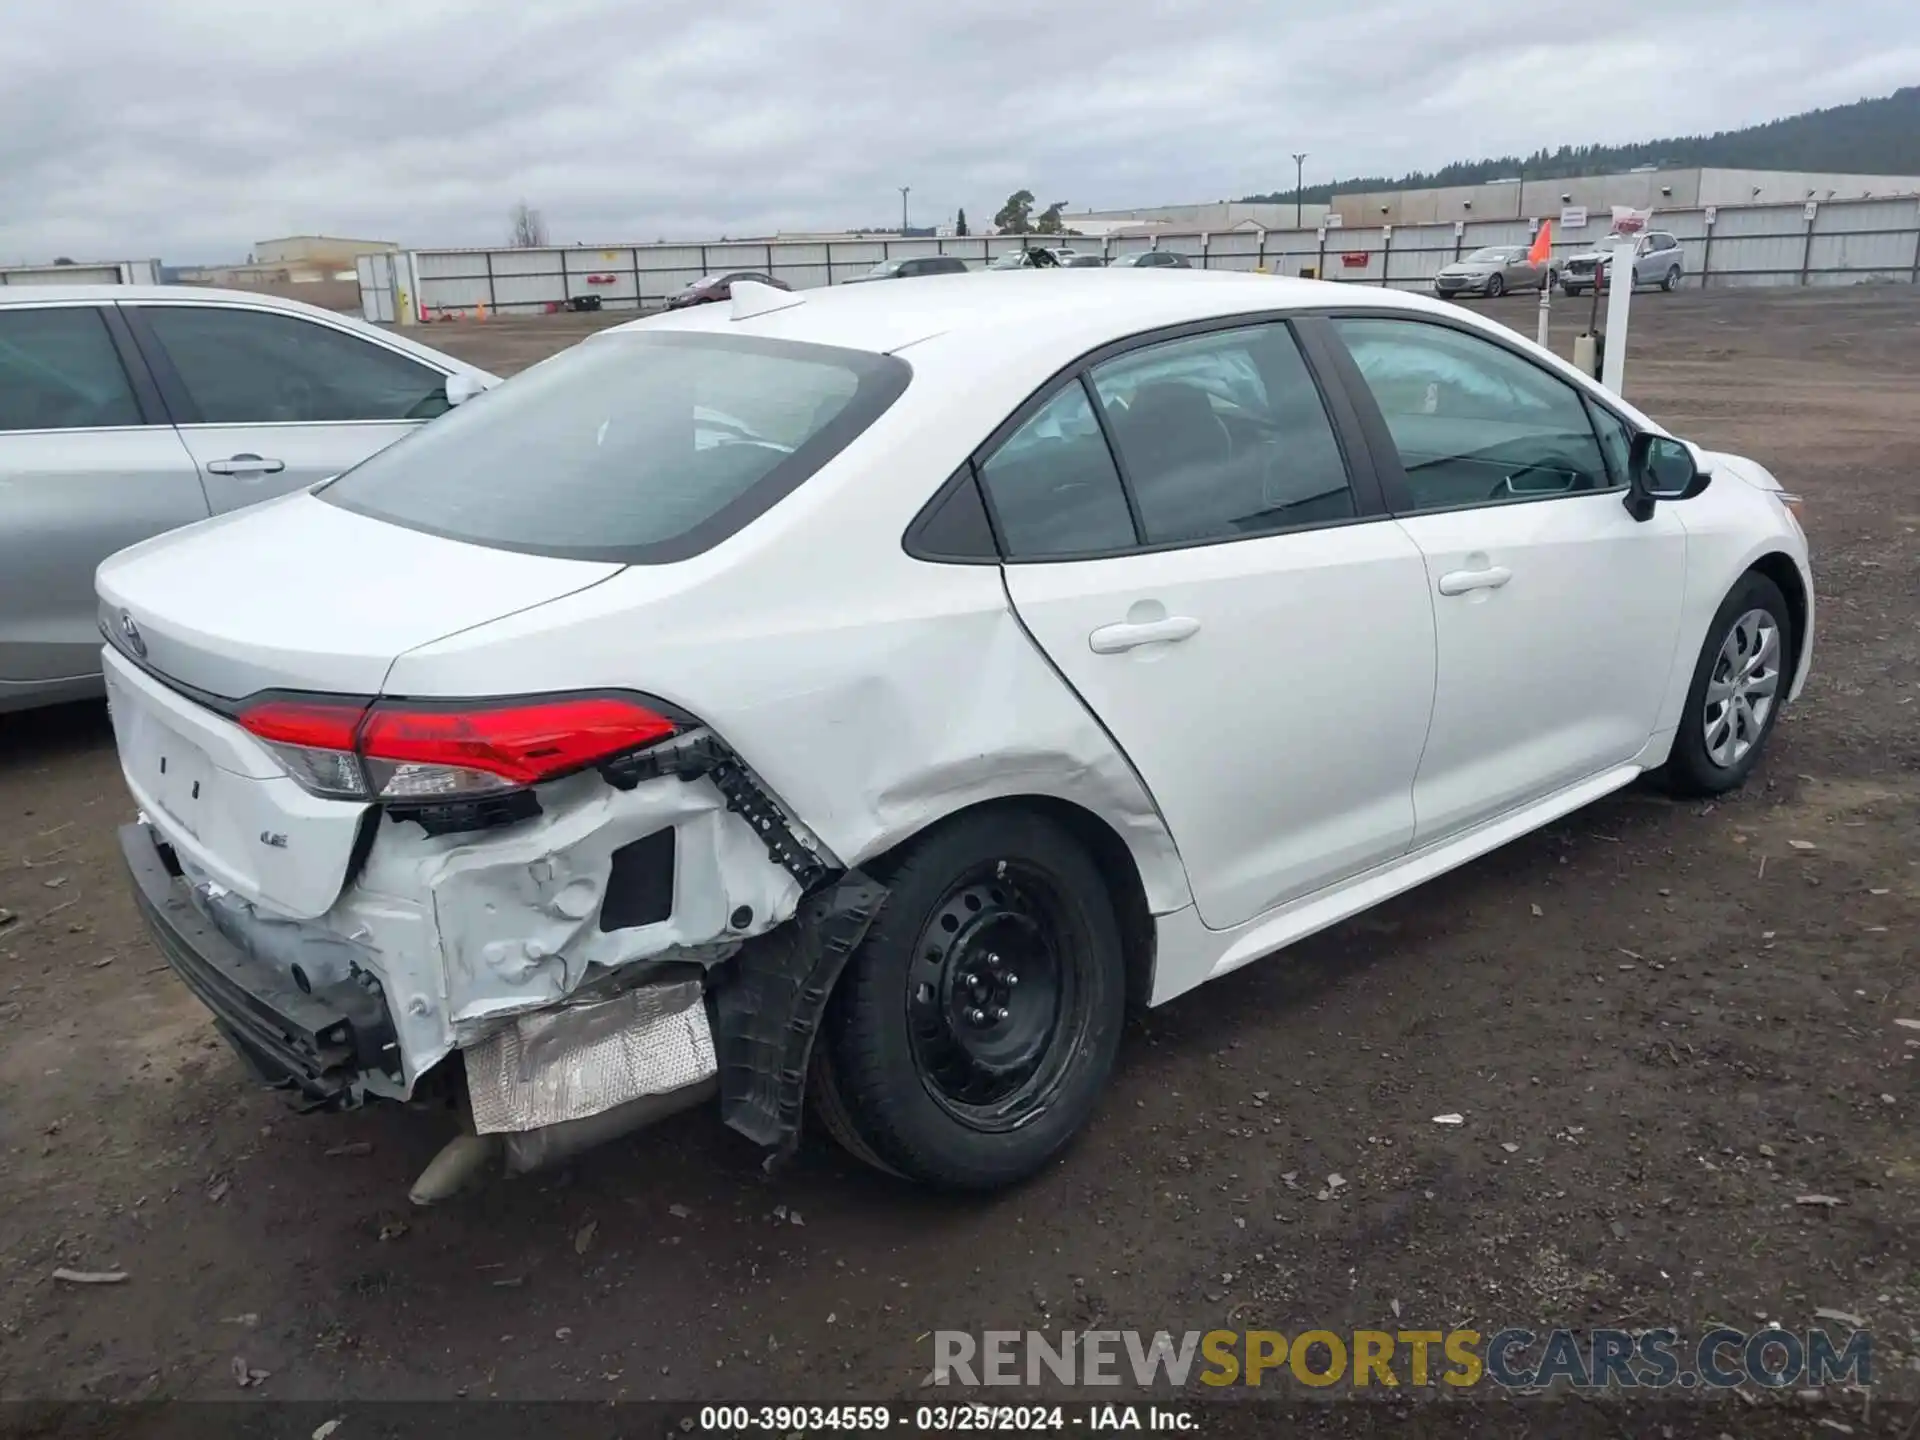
976 1025
1740 683
1671 281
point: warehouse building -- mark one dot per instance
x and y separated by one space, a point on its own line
1648 188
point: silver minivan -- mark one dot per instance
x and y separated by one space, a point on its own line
129 410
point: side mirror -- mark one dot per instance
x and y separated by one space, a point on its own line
1661 468
463 387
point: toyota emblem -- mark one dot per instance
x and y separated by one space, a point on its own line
131 633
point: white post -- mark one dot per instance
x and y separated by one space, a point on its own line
1613 369
1546 305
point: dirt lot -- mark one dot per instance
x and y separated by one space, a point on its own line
1662 1024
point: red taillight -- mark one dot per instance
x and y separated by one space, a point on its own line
521 743
318 724
443 750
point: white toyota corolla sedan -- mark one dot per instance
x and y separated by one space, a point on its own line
857 696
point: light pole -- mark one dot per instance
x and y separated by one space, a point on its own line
1299 176
903 210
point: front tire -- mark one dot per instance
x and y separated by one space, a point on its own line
1496 287
1739 684
976 1025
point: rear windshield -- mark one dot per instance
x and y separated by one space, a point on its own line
631 447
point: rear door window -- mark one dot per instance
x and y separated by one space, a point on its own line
631 447
253 367
59 371
1054 487
1223 435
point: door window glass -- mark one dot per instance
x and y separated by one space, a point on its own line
1054 487
249 367
1223 435
1474 423
59 371
1616 440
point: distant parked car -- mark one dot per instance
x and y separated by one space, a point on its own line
1039 257
1657 260
1086 261
709 288
907 269
1492 270
126 411
1151 260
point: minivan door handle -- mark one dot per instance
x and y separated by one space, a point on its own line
1113 639
245 465
1459 582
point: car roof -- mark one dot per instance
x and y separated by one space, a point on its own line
105 294
18 295
985 307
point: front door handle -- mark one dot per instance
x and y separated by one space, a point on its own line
1459 582
245 465
1113 639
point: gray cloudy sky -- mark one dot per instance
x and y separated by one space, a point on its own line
187 129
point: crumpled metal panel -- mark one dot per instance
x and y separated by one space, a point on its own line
580 1060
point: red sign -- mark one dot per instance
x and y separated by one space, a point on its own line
1355 259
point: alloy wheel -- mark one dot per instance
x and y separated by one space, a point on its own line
1742 688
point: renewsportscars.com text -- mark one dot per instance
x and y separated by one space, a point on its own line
1514 1358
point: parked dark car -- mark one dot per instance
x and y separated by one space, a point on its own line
906 269
1150 260
709 288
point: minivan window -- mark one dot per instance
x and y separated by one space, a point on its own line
631 447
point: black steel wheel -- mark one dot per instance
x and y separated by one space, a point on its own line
992 999
976 1025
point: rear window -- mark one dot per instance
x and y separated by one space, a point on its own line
631 447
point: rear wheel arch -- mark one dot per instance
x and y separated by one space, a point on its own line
1103 844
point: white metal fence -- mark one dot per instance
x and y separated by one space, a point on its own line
103 272
1839 242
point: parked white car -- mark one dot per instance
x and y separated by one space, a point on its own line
857 695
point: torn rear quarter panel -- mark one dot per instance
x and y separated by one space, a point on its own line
867 727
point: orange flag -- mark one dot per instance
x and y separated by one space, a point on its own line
1542 250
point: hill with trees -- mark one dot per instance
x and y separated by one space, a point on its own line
1868 137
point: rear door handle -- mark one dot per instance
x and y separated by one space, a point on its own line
1459 582
245 465
1113 639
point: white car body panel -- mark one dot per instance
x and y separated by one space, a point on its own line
1282 781
1560 671
1191 954
1269 790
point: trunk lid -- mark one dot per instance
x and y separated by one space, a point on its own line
302 595
295 594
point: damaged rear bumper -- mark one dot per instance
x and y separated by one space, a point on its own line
320 1041
551 1082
